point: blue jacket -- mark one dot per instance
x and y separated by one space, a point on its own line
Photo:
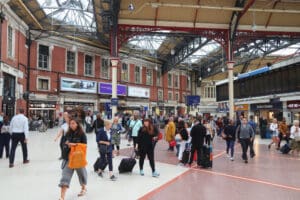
102 136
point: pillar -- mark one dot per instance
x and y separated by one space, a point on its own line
230 89
114 65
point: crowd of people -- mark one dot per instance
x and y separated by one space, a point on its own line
182 133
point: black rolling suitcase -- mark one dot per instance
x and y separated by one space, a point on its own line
127 164
285 149
205 158
186 155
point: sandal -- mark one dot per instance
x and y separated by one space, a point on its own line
82 192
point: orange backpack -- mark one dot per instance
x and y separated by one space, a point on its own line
77 156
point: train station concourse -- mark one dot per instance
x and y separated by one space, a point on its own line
268 175
220 61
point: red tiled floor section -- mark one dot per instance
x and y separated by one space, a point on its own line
269 175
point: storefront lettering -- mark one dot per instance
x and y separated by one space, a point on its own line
264 106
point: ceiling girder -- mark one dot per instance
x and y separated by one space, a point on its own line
250 52
185 52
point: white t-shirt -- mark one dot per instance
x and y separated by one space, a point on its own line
65 128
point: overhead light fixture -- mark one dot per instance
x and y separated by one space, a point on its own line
208 69
172 52
253 27
156 68
223 69
74 48
200 78
51 47
131 7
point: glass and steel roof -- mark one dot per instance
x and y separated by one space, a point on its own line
74 13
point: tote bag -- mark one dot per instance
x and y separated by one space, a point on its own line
77 156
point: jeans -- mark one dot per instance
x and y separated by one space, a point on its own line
245 142
252 153
67 174
181 149
106 157
280 136
4 143
16 138
230 146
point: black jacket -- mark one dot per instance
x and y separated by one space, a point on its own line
198 134
145 140
230 132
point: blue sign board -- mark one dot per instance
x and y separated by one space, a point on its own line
114 101
192 100
106 88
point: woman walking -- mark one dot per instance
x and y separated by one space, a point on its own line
4 137
182 131
229 133
74 135
145 146
274 133
104 141
116 130
62 132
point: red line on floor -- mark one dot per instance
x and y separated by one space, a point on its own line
148 195
249 179
220 154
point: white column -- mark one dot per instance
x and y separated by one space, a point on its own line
230 89
114 65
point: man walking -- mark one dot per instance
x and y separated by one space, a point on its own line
19 130
245 135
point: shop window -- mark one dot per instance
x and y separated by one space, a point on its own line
170 80
88 66
44 56
183 98
137 74
210 92
105 69
124 72
71 62
188 81
160 95
176 97
43 84
176 81
10 42
158 78
170 96
149 77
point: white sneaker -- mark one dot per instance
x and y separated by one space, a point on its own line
228 156
232 159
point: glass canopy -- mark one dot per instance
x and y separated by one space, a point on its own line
74 13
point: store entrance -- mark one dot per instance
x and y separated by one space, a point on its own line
9 88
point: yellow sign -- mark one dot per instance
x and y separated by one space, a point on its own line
242 107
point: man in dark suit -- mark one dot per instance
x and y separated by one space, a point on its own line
198 134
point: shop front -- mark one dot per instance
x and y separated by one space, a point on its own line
242 109
138 100
268 110
43 110
294 108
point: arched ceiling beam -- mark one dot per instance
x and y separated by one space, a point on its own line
237 15
184 53
196 14
246 53
270 15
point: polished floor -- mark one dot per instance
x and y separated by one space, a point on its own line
269 175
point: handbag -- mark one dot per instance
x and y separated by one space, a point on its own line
160 136
103 148
172 143
77 156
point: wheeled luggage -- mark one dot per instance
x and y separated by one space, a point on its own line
186 155
285 149
127 165
205 158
